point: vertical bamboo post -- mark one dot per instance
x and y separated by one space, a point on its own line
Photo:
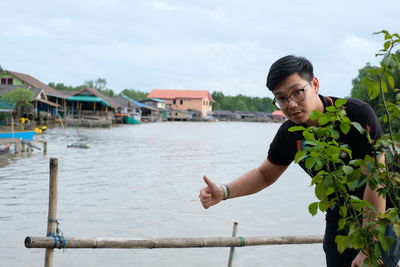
232 250
17 147
52 213
44 147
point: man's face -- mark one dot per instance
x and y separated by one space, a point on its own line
299 111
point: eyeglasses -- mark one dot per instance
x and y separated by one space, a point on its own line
297 96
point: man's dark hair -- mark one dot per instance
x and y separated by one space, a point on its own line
286 66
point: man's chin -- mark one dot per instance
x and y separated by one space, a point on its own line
298 118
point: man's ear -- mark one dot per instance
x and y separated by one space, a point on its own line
315 85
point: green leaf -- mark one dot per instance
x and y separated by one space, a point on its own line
323 120
315 114
390 80
308 136
323 206
386 45
331 109
313 208
340 102
343 211
396 229
310 162
320 191
300 156
358 127
341 242
296 128
384 86
345 127
342 223
347 169
373 90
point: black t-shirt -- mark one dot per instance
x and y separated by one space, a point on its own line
285 145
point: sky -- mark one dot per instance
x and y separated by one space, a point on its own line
214 45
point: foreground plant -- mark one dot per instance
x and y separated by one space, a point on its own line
338 174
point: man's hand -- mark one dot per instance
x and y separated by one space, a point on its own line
359 260
210 195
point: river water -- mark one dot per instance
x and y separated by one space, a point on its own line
142 181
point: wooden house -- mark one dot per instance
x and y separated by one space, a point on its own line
48 101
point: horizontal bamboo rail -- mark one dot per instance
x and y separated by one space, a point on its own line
134 243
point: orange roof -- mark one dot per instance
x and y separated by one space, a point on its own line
172 94
278 113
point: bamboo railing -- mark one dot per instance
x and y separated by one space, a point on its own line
55 240
49 242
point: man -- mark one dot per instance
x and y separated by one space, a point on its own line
296 90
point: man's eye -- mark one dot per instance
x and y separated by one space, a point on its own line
297 92
282 99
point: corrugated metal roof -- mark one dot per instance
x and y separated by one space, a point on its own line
94 92
88 98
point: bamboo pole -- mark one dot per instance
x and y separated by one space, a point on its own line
135 243
52 213
232 250
44 147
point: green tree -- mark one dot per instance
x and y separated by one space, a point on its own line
21 98
100 84
135 94
63 87
241 103
369 73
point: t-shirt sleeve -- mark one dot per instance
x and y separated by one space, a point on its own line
370 121
365 115
282 148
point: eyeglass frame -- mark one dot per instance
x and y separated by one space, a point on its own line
290 97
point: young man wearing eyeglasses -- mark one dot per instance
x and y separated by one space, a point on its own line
296 92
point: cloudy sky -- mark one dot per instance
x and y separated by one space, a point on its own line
215 45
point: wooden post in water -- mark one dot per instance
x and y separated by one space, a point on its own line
52 213
44 147
232 250
17 147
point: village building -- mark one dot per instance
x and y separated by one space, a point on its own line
185 100
278 115
159 110
89 107
47 101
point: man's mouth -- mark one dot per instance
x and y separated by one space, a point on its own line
294 113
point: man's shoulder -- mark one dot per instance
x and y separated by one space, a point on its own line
286 125
355 106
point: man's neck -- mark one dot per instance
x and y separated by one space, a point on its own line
319 106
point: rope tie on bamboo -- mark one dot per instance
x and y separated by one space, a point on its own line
58 236
242 240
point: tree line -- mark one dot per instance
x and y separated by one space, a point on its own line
222 102
241 102
362 89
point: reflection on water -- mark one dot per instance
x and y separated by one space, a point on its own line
143 181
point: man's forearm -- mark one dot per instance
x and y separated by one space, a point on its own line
256 179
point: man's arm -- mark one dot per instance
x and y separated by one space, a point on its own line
251 182
379 203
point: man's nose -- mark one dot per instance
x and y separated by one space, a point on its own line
292 104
